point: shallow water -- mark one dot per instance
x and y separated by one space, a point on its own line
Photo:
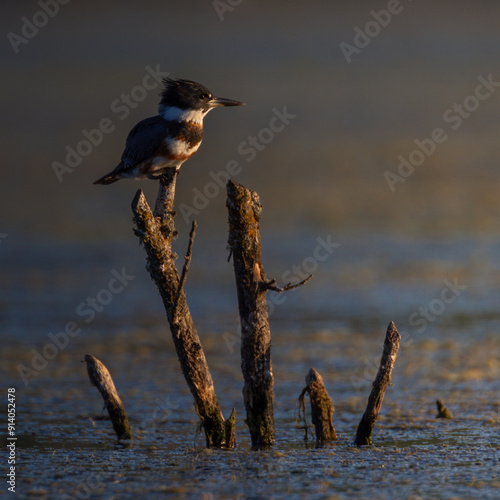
63 450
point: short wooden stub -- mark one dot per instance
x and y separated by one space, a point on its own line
443 412
383 379
231 430
321 407
244 210
101 378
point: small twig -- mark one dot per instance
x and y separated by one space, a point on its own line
302 413
185 267
271 285
164 206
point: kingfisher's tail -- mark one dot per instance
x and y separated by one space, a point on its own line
107 179
113 176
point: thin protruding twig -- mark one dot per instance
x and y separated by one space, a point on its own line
101 378
383 379
185 267
271 285
301 417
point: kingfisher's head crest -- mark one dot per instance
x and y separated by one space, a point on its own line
188 95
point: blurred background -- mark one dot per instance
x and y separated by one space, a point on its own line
358 103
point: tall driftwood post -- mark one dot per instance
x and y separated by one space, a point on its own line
156 232
244 242
244 210
383 379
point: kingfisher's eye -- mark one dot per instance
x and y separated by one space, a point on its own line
205 97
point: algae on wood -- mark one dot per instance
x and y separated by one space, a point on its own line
321 407
156 231
382 380
101 378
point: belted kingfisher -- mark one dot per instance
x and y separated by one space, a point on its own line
169 138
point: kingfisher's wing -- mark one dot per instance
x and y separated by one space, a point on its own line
144 140
142 143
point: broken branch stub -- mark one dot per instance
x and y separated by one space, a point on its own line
156 232
321 407
382 380
101 378
443 412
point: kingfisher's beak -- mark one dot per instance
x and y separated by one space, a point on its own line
221 101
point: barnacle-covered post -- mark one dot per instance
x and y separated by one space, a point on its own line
156 232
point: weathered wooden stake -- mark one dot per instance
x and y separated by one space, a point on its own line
321 407
101 378
156 233
244 242
383 379
251 284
